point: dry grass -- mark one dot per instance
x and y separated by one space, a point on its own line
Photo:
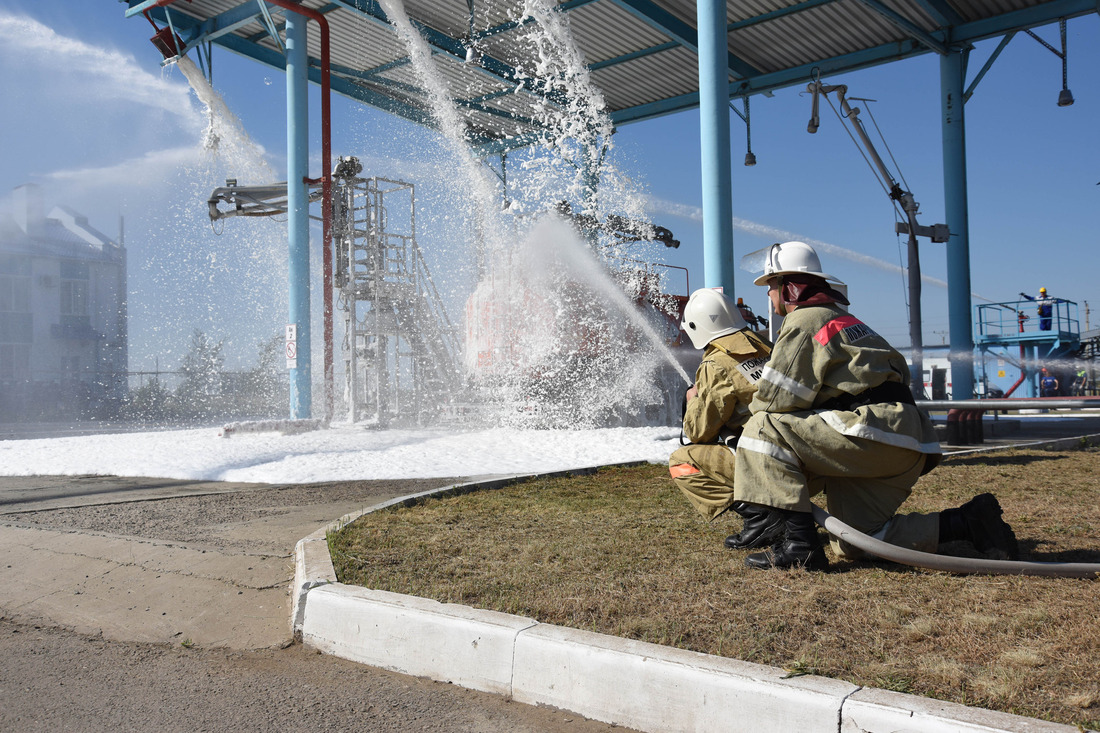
620 552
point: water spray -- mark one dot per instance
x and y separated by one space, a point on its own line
533 342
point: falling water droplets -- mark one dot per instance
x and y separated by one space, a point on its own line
555 336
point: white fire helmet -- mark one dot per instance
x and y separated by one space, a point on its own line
710 314
788 258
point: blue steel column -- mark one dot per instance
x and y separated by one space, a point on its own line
714 136
297 169
952 87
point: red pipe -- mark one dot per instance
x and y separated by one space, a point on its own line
326 187
164 35
1023 372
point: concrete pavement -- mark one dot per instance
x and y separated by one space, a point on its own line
154 560
79 555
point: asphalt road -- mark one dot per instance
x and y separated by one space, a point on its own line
150 604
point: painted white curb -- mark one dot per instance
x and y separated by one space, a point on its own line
656 688
416 636
882 710
635 684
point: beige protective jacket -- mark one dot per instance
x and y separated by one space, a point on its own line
725 380
822 352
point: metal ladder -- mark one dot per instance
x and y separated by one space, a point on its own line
401 350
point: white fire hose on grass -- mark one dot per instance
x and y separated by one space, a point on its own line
947 563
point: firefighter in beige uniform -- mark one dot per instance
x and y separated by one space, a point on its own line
716 408
833 411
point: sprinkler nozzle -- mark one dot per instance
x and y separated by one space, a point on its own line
167 42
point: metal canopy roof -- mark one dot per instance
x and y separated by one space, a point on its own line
641 54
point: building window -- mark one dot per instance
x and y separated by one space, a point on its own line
15 361
74 297
15 294
70 367
15 319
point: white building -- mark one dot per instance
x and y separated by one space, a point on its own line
63 339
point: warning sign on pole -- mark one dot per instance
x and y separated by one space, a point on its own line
292 346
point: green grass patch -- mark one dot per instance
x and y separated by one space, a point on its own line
620 552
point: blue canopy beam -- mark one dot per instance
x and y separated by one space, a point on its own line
906 26
941 11
676 29
781 12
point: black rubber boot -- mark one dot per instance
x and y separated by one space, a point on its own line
800 548
763 526
979 522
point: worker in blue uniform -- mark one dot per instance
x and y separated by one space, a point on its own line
1045 307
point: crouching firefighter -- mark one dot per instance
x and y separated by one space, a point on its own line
833 412
715 409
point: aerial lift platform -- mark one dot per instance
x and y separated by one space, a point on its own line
1018 324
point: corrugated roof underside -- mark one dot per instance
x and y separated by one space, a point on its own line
606 31
357 42
667 74
805 37
637 63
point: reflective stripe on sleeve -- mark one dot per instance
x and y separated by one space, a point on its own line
781 380
877 435
769 449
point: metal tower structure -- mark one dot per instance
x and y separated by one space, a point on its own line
401 351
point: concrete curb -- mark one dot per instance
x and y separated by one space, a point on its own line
630 683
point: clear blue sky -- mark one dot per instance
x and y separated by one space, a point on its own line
90 115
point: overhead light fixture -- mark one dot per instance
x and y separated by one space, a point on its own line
750 159
473 56
1065 97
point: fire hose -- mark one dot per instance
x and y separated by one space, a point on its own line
947 563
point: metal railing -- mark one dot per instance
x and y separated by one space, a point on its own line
1013 320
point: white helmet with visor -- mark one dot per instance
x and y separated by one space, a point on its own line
787 258
710 314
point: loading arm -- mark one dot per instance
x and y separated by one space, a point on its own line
265 200
937 233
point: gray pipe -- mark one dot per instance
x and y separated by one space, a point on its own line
962 565
1013 403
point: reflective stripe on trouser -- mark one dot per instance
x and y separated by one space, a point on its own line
785 458
709 487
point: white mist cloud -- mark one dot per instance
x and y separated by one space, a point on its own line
87 72
694 213
152 168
